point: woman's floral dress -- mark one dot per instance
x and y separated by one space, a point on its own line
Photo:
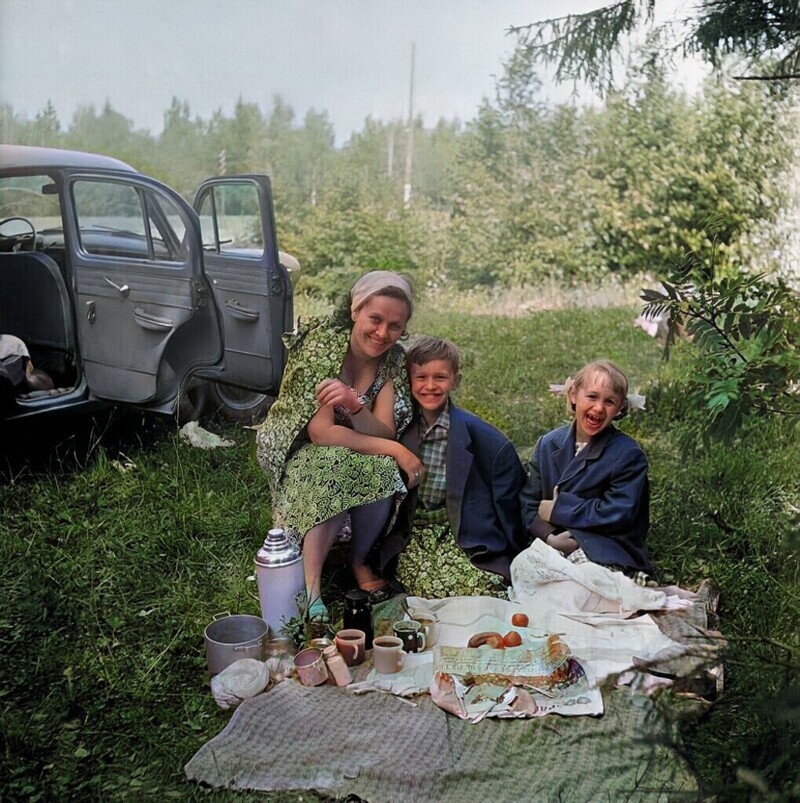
434 566
309 483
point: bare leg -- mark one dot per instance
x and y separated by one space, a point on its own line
368 523
316 546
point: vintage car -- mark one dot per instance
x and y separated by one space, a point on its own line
123 292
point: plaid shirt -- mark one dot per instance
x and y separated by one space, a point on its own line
433 452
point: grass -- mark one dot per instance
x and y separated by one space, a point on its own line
112 569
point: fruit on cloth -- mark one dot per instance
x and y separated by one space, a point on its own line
519 620
494 640
512 639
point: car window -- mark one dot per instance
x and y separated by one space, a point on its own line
118 219
32 199
167 226
235 207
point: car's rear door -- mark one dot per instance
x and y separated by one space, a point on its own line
143 315
252 290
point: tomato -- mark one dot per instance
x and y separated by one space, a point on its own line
519 620
512 639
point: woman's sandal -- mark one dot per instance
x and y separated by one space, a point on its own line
380 595
378 590
318 612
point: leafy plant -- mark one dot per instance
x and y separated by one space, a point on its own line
746 330
301 629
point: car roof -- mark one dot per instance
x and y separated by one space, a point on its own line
20 157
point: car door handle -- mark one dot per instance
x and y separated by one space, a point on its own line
123 291
241 312
152 322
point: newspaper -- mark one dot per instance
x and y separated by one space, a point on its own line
539 678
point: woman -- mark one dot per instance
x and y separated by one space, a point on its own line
328 444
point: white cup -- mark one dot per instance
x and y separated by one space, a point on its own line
429 629
388 654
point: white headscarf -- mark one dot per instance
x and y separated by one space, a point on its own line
374 281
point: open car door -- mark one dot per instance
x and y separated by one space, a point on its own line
252 290
143 316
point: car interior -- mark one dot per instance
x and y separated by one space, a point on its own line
34 302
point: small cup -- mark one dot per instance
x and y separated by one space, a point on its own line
351 643
410 632
310 667
388 655
429 628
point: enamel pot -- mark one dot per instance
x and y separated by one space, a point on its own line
230 638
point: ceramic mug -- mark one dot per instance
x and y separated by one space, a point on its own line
310 667
429 628
410 632
351 643
388 654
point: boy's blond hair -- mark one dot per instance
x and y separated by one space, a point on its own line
617 381
429 348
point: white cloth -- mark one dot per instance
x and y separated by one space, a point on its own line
193 434
238 681
593 609
11 346
413 678
370 283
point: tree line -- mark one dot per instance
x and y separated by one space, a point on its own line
525 191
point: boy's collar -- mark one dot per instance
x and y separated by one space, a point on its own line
442 420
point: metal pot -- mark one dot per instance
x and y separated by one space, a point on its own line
230 638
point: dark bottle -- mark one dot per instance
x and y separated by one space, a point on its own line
358 613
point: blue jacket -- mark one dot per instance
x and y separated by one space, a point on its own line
603 493
484 480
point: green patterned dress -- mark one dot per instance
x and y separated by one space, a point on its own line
434 566
311 484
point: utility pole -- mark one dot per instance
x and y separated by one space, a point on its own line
409 137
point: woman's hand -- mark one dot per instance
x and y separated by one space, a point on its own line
410 465
334 393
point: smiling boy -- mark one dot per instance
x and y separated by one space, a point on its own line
458 532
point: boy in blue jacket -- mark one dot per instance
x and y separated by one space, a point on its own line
587 493
457 533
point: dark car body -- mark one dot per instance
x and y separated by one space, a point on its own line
122 291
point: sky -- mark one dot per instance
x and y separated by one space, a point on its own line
351 58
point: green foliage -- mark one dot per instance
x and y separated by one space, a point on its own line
627 189
526 193
745 330
730 516
756 31
584 46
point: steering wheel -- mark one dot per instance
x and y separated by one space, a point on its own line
21 238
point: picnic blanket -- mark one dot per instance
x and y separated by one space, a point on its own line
384 748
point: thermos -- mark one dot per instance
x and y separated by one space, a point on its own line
279 570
